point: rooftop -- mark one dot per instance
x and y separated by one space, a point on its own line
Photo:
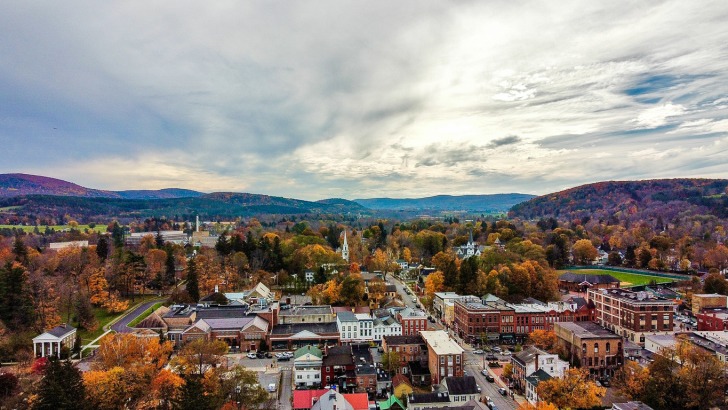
404 340
591 279
440 342
307 310
293 328
434 397
587 330
630 296
461 385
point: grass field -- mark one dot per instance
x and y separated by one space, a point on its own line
627 279
58 228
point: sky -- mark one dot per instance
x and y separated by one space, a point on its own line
361 99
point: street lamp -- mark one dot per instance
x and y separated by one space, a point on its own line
237 397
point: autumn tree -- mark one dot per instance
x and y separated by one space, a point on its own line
127 351
539 406
391 361
584 252
352 289
166 387
574 391
199 356
435 282
631 380
543 339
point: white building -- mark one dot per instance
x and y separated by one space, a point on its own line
348 325
386 326
51 342
69 244
307 366
469 249
366 326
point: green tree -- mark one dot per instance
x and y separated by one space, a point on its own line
61 388
193 286
102 248
391 361
193 395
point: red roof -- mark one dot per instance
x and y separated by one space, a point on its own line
359 401
303 399
399 379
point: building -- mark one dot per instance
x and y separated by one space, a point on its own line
591 347
386 326
244 333
307 366
401 386
305 399
579 282
295 335
55 341
531 384
632 314
409 348
412 321
365 370
338 367
715 343
444 356
469 249
712 320
532 359
332 400
708 301
68 244
422 401
480 321
461 389
176 237
345 249
439 300
307 314
348 325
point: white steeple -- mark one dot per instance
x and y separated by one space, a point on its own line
345 249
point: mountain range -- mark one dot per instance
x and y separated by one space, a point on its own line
471 203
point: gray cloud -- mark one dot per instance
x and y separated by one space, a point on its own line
342 99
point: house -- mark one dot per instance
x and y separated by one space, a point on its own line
305 399
576 282
348 325
307 366
338 367
412 320
531 383
365 370
590 346
393 403
461 389
532 359
409 348
469 249
401 385
630 405
386 326
403 264
419 373
439 300
421 401
53 342
308 275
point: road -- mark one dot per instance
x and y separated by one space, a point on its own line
474 365
411 300
284 399
121 325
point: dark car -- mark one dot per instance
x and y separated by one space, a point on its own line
260 355
489 378
268 355
502 391
490 357
284 359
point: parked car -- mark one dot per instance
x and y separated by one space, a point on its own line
502 391
484 372
260 355
251 355
272 387
268 355
506 353
496 348
491 357
477 351
489 378
284 359
279 355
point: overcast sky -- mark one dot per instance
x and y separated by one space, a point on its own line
358 99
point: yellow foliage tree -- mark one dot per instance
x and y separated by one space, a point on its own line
435 282
543 339
574 391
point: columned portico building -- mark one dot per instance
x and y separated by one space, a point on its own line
52 341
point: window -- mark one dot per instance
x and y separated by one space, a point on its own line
442 359
608 347
596 347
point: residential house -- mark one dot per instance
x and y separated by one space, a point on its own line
532 359
461 389
531 384
409 348
338 367
307 363
392 403
401 386
53 342
386 326
421 401
413 321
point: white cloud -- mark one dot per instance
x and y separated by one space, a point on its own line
658 116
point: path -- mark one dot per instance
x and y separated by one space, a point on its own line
121 325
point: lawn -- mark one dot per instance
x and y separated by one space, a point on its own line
57 228
104 318
627 279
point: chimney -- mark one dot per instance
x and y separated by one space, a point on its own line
197 224
216 289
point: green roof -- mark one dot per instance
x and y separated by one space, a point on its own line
315 351
391 401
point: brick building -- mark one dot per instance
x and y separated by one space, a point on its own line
444 356
632 314
338 367
410 349
476 320
575 282
412 320
704 301
591 347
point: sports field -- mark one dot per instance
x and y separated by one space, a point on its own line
82 228
627 279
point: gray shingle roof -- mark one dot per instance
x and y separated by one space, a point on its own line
61 330
461 385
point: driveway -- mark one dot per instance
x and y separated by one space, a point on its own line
121 325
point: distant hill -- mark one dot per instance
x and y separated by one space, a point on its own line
631 200
473 203
24 184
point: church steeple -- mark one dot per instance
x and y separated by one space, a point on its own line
345 249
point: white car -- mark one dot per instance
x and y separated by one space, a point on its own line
506 353
478 351
251 356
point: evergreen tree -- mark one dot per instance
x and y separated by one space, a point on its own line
20 251
630 258
102 248
193 287
117 235
320 276
159 240
170 269
61 388
193 395
223 246
16 306
468 275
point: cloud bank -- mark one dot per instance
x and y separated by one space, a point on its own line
345 99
